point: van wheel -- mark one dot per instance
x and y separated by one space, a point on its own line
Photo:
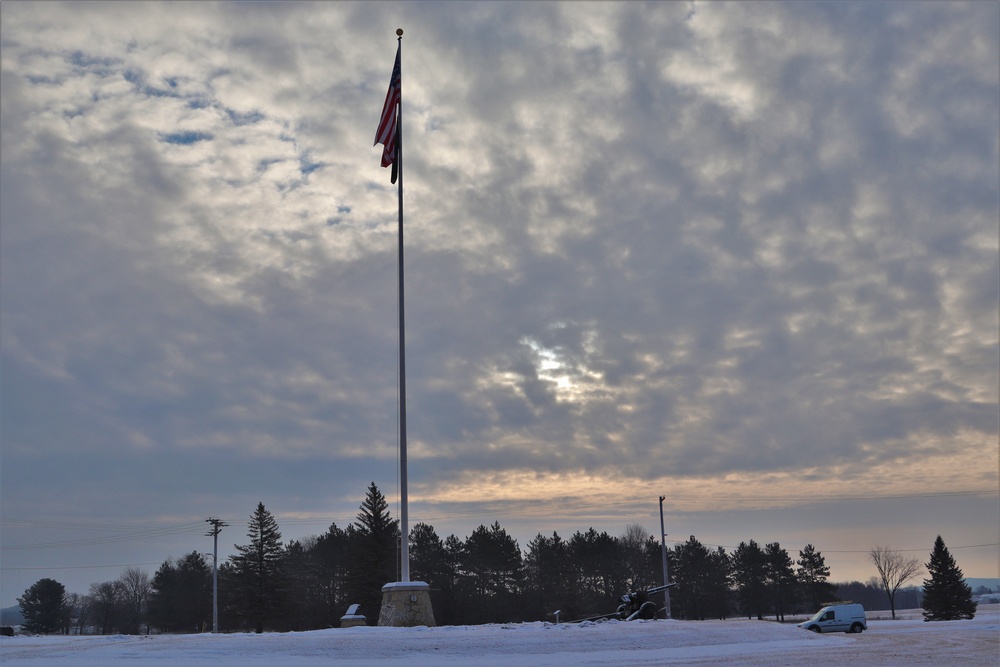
814 628
857 628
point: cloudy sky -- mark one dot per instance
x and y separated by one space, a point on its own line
741 255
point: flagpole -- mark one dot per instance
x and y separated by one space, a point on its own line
404 603
403 499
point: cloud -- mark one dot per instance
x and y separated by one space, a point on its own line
643 243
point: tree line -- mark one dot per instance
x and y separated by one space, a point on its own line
308 584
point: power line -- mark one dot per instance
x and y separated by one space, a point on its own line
141 534
77 567
857 551
964 546
39 523
533 506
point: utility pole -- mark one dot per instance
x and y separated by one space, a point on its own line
217 525
663 552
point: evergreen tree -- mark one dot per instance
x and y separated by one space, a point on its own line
163 600
430 563
691 572
43 606
946 595
548 577
720 580
456 607
780 579
331 553
702 579
181 598
596 559
374 549
491 562
428 559
299 575
749 574
257 569
231 616
654 563
812 575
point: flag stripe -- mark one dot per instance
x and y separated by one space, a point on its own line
386 132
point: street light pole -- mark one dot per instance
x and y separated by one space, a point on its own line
663 552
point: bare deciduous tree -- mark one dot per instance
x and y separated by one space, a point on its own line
634 556
106 600
78 608
136 589
893 571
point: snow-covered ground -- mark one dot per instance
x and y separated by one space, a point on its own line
906 642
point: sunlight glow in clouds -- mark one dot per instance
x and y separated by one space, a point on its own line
737 251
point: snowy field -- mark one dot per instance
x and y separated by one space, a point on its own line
906 642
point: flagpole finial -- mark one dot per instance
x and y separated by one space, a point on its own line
399 31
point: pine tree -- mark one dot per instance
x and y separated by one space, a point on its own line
780 579
181 598
331 552
374 548
812 575
596 559
691 573
720 579
430 563
258 570
428 559
43 606
548 577
163 601
194 582
749 574
946 595
492 565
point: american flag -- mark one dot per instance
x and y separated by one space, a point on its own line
386 133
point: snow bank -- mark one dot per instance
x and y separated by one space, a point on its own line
638 643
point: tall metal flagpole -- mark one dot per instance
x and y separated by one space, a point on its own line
403 512
404 603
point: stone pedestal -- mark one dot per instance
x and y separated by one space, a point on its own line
352 618
406 604
352 621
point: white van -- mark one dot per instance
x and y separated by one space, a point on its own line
838 618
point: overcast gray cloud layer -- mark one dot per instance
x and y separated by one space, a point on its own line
748 244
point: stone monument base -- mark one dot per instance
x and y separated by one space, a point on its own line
352 621
352 618
406 604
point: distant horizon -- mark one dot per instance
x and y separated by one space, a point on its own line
236 531
970 581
